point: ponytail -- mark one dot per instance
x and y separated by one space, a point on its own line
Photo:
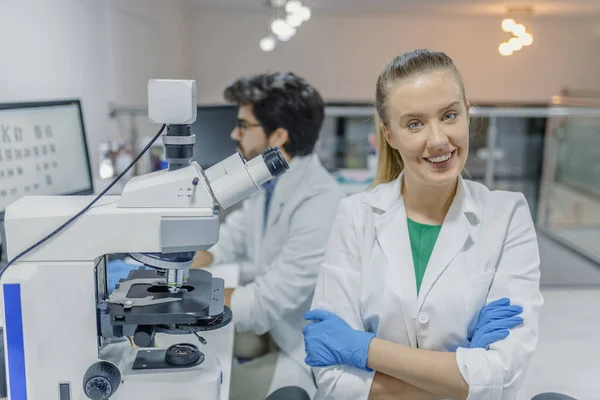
389 161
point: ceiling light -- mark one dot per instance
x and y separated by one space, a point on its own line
505 49
518 30
294 20
280 28
284 27
515 44
519 36
527 39
267 44
508 24
293 6
304 13
287 35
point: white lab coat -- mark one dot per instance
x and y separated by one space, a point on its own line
487 249
281 266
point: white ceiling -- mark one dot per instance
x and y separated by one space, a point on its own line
450 7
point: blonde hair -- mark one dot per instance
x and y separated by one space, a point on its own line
389 161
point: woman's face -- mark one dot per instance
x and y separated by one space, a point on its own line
428 123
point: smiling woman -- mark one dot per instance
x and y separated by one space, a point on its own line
421 266
423 120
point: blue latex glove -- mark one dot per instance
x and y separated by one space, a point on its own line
494 322
117 270
329 340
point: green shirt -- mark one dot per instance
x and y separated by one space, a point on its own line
422 240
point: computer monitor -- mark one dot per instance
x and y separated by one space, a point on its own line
43 151
213 128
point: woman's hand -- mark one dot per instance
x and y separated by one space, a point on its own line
329 341
494 322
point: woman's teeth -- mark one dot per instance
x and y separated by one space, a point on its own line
440 158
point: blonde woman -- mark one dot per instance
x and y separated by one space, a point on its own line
412 261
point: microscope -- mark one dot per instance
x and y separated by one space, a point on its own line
66 336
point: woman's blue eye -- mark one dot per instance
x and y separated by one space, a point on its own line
414 125
449 116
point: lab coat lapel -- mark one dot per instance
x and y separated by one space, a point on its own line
452 239
257 238
286 186
274 210
391 230
392 234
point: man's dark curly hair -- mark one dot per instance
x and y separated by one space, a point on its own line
282 100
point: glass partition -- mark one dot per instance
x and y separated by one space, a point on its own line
551 154
570 196
506 151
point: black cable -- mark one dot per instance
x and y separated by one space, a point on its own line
86 208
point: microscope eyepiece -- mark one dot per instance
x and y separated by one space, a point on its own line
234 178
275 161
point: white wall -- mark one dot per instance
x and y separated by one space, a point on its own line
98 51
105 51
343 55
147 42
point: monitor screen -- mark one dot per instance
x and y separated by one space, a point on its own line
213 128
43 151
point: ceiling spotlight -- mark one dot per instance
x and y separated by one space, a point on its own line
505 49
287 35
519 37
284 27
519 30
279 27
515 44
304 13
293 6
267 44
526 39
508 24
294 20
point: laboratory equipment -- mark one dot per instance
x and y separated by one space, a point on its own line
66 336
43 151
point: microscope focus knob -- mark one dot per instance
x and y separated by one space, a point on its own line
183 355
101 381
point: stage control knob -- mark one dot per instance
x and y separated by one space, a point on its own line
183 355
101 381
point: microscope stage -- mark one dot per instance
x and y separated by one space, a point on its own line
198 306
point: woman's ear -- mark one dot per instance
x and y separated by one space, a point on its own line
387 135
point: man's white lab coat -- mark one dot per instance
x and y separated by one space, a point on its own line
280 265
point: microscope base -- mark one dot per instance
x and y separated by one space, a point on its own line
201 381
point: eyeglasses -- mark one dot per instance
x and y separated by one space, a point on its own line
244 126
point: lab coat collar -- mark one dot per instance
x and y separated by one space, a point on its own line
392 233
288 183
291 179
386 197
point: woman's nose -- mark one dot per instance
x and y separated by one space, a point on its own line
437 140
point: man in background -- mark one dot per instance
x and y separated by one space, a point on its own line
279 235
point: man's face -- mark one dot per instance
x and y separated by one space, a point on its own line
249 135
